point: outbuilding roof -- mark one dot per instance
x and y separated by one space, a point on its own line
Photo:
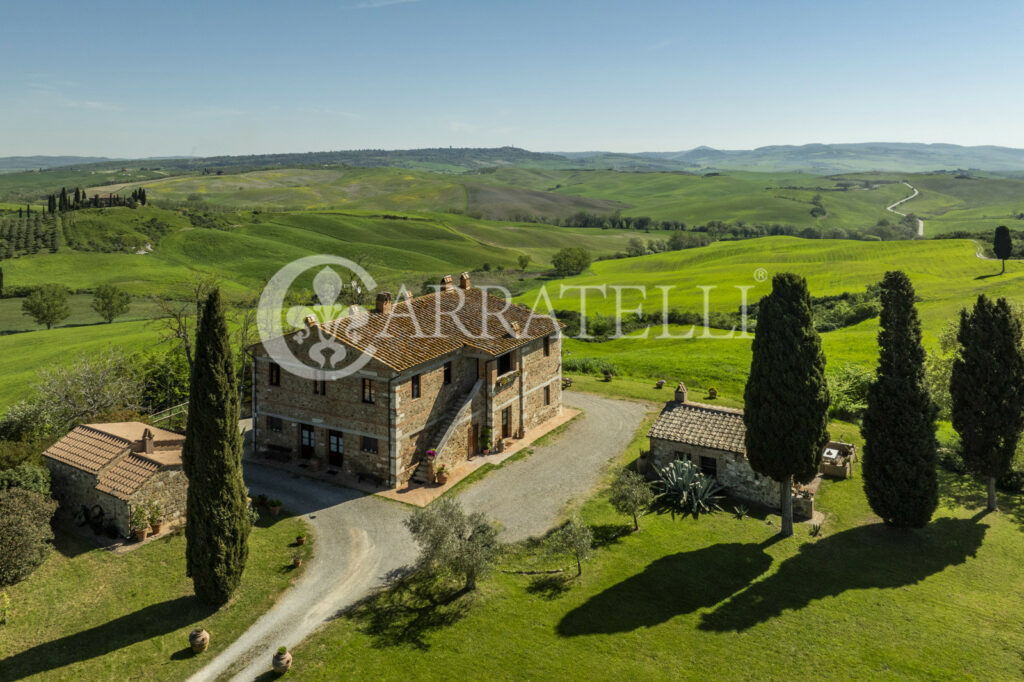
116 454
707 426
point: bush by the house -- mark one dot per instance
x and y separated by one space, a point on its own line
25 533
26 476
684 489
596 366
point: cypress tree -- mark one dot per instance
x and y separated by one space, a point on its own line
1002 245
899 424
987 388
217 527
786 396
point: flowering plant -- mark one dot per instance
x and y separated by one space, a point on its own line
431 454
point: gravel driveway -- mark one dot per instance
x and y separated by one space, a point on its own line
360 539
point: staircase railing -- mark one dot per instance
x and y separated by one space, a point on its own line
467 401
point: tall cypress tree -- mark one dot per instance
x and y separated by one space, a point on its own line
899 424
786 396
1002 244
217 526
987 388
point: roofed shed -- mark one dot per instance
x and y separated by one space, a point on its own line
101 472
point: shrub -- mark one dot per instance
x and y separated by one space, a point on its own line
631 495
684 489
25 533
589 366
848 387
27 477
453 542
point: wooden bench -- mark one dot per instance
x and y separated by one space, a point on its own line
279 453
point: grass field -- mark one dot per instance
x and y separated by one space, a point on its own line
686 598
737 196
89 614
946 275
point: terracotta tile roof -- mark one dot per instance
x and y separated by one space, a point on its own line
718 428
126 476
414 333
88 448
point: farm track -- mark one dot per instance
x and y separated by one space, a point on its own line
892 208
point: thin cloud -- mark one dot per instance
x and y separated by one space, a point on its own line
374 4
55 96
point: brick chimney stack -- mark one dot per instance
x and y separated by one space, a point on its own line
681 393
147 442
310 321
446 283
384 303
464 281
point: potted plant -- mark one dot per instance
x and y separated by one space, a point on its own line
282 662
441 475
275 506
140 522
485 440
199 640
300 539
296 559
156 517
261 500
713 393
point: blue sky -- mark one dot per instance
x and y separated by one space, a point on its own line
218 77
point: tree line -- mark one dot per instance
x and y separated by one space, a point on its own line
63 201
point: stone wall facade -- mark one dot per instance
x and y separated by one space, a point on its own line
733 470
169 488
403 426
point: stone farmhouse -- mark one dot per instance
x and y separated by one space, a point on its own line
104 471
450 372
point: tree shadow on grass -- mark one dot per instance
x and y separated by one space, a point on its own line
860 558
963 490
610 533
152 621
550 586
668 587
408 609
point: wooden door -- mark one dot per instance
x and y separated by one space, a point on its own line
307 441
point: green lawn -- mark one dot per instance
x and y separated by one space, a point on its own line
88 614
720 597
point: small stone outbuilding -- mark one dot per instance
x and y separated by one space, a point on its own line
102 472
713 438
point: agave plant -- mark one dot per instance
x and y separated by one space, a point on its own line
684 489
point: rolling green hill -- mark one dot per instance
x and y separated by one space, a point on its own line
945 274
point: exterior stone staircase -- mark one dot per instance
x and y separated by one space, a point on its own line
446 427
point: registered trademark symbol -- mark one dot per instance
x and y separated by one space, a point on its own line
761 275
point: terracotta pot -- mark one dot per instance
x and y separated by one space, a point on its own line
301 540
296 563
441 478
275 510
282 663
141 534
199 640
157 527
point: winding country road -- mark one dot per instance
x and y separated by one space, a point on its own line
892 208
360 539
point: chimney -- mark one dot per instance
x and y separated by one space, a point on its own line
147 442
446 283
384 303
406 295
310 320
464 281
515 330
681 393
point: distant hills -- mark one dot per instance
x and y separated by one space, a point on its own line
13 164
822 159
